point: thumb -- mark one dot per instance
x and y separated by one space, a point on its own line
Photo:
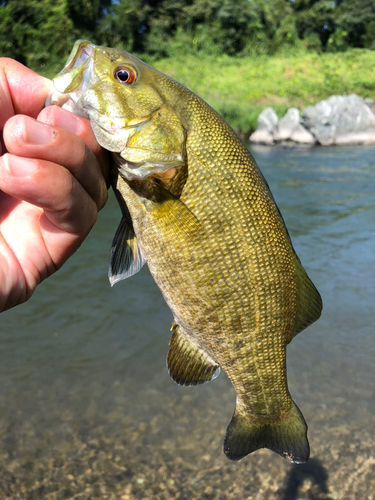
22 91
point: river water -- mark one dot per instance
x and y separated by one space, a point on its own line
88 411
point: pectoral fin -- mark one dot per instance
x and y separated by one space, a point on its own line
171 214
187 363
126 257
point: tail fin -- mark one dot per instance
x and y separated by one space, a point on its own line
287 437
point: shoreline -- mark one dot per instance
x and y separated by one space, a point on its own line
337 121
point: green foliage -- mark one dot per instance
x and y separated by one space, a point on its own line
41 33
356 18
315 17
178 27
35 32
338 41
312 43
239 88
121 24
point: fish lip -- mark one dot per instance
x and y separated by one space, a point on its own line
93 115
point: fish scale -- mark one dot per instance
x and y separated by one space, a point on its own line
197 209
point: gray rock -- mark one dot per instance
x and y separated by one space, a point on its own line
354 138
302 135
262 137
287 125
340 120
370 103
290 129
267 121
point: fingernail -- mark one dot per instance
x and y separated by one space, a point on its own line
18 166
66 120
37 133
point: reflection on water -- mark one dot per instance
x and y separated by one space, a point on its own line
88 410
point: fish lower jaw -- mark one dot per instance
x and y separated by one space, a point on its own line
56 98
65 101
71 105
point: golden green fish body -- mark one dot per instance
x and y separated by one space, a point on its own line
198 210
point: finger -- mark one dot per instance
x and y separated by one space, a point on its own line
21 90
59 117
51 187
29 138
2 145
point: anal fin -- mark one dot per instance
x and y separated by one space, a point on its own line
309 302
126 257
188 364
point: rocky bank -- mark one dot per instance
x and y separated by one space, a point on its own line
340 120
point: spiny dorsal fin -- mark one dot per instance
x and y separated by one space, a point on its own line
126 257
286 436
187 363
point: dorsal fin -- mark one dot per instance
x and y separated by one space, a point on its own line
188 364
126 257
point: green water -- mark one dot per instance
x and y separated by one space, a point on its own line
88 411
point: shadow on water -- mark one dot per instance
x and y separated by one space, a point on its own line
311 475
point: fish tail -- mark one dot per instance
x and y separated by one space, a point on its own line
286 436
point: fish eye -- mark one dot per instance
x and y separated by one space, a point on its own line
125 74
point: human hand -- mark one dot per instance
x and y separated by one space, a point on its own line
52 183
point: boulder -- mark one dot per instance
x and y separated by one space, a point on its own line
286 125
267 121
370 103
340 120
302 135
290 129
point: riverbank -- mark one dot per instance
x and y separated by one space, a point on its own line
240 88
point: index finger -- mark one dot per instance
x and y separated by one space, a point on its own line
22 91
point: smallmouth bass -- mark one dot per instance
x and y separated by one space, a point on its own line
197 209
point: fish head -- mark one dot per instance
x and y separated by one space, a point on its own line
128 105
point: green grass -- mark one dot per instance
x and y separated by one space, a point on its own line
239 88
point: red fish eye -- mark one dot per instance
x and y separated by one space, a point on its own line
125 75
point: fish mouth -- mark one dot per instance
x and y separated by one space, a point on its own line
69 85
82 50
65 101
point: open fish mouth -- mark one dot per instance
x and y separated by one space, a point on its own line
76 77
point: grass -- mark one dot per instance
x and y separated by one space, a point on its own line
239 88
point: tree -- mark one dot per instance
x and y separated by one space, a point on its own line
357 20
42 32
315 17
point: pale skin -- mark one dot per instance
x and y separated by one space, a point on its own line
52 183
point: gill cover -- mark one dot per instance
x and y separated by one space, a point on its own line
129 116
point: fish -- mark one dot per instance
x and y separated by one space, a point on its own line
197 209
